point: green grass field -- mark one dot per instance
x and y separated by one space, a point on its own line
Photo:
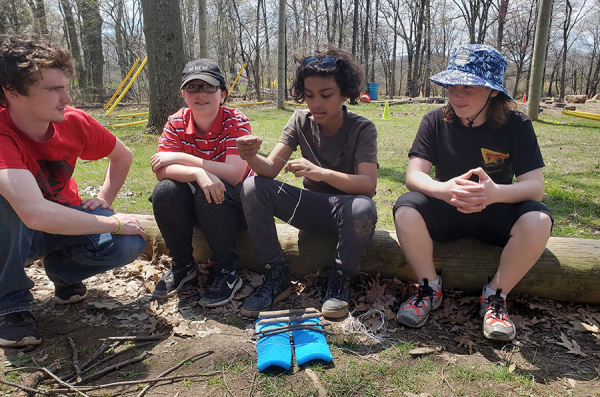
570 147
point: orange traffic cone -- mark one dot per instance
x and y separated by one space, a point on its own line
524 98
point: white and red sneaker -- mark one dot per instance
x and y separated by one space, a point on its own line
415 311
496 322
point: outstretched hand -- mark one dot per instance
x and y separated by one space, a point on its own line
248 146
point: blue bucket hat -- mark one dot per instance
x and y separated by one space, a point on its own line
474 64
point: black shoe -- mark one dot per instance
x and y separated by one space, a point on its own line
173 280
337 297
275 288
70 293
18 330
222 290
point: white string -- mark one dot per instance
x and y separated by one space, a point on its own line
355 326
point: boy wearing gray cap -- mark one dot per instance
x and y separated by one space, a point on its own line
477 143
200 173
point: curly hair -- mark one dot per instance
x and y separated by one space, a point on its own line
22 59
497 113
348 74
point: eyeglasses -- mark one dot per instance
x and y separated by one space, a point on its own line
326 63
193 88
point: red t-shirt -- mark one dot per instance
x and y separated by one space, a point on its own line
52 163
179 135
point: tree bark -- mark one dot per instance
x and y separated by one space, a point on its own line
568 270
92 46
164 46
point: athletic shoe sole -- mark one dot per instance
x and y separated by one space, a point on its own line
187 278
72 299
236 288
27 341
410 322
500 336
335 313
254 313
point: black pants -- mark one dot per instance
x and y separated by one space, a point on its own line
178 206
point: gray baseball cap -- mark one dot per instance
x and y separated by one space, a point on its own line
202 69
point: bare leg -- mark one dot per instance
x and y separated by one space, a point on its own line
529 236
415 242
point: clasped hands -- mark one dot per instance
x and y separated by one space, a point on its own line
468 196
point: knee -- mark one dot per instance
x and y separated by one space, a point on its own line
405 218
164 190
364 214
534 223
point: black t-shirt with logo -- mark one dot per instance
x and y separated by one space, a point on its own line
454 148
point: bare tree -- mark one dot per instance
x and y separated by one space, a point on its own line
38 10
475 15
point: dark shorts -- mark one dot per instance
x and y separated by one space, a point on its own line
446 223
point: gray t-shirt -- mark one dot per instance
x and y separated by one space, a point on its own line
354 143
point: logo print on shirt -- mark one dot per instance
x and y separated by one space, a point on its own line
51 179
493 159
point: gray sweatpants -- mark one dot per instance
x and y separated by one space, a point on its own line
351 217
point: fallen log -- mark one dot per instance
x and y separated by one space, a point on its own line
568 270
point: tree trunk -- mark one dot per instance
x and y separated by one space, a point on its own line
203 29
92 47
72 40
568 270
164 46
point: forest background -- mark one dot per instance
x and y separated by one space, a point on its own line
399 42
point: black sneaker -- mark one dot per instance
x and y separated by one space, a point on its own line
222 290
18 330
70 293
275 288
337 297
173 280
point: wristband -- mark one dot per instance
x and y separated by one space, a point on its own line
120 225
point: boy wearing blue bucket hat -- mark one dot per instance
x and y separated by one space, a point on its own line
477 143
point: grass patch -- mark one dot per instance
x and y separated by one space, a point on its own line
569 147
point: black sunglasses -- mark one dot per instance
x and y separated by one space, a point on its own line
326 63
193 88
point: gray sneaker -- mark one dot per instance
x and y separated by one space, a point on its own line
415 311
19 330
337 297
496 322
174 280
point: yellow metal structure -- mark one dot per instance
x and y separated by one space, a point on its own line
122 84
137 73
133 114
248 104
236 79
591 116
295 104
128 124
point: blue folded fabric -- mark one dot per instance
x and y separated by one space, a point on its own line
310 345
274 349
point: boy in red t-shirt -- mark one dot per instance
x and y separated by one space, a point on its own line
41 213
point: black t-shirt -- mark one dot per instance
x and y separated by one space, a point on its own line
454 149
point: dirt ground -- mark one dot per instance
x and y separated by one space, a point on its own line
557 344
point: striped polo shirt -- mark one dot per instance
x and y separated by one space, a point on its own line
179 135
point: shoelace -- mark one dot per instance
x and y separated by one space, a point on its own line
497 307
422 293
219 280
266 289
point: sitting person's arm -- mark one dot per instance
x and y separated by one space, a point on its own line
248 147
19 188
363 182
468 196
230 171
119 163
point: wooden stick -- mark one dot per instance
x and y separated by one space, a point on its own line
73 388
168 371
75 359
107 358
133 338
114 367
287 312
29 389
289 319
288 328
135 382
